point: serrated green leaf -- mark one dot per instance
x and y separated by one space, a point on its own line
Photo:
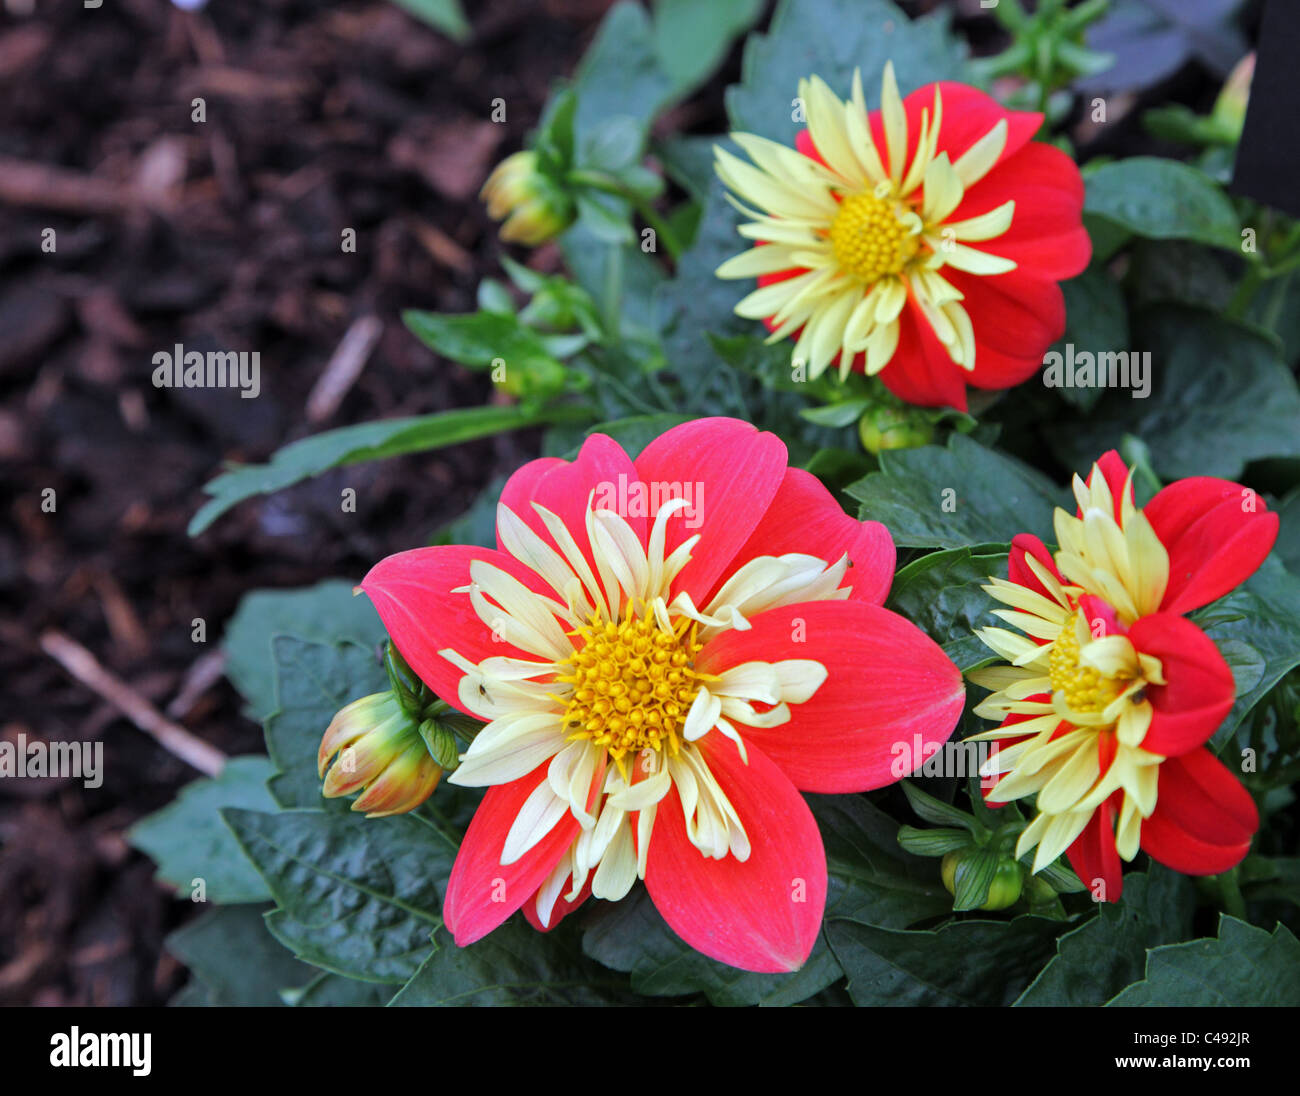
941 593
328 612
512 965
1096 960
357 896
363 442
962 963
1246 967
830 38
632 937
235 959
189 841
1221 397
954 497
1163 200
313 681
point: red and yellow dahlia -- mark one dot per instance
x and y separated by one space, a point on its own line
1111 693
666 651
922 242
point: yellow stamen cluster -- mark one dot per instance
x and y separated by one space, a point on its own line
1084 687
633 684
868 238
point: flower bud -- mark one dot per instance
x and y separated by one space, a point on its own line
533 207
377 749
893 428
1004 888
1230 107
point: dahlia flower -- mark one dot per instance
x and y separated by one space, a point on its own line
664 651
1111 693
922 242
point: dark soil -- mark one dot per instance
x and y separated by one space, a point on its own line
220 235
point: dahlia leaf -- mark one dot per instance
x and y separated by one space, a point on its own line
1108 952
1245 967
514 965
362 442
1096 321
971 962
190 843
234 961
955 497
832 38
692 39
357 896
942 593
1220 397
1163 200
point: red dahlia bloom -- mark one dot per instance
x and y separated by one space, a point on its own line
667 651
1111 694
923 241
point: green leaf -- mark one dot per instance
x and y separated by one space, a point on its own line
972 879
831 38
620 74
872 878
1163 200
936 842
963 963
235 959
1107 952
478 339
1258 624
328 990
1246 967
362 442
444 15
328 612
631 936
357 896
190 842
1221 398
935 810
313 681
1096 321
692 39
957 496
942 594
512 965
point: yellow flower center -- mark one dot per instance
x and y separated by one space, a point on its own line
1085 689
868 238
633 684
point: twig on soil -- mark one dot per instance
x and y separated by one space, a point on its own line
344 368
175 739
199 678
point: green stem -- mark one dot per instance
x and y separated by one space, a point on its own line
1250 284
1230 896
609 184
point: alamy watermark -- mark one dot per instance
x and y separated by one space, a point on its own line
183 368
636 499
960 759
1106 369
82 761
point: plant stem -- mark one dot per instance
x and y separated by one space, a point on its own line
1230 894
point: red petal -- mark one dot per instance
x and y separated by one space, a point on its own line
1046 239
730 472
761 915
891 698
562 908
1204 819
1014 314
1018 571
1115 472
563 487
1199 688
412 593
1094 856
921 372
804 517
1214 542
1095 611
482 892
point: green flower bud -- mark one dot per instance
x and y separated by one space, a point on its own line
884 428
532 206
377 749
1005 888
